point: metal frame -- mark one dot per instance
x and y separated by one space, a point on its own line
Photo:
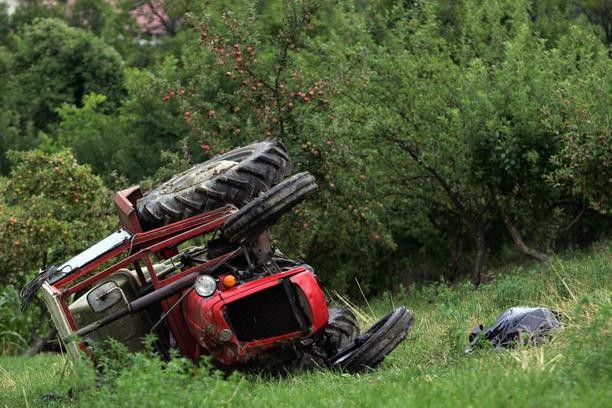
161 243
198 325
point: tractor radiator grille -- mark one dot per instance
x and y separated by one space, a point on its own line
264 314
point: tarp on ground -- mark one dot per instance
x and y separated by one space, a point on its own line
517 325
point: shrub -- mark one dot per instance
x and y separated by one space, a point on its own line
52 208
53 64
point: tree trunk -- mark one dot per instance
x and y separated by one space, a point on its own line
520 244
41 343
456 255
473 218
479 259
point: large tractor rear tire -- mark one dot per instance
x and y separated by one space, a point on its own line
235 177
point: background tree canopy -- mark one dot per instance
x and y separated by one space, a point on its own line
445 135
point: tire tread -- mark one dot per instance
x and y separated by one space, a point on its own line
260 166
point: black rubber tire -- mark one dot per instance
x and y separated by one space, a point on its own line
254 218
259 167
341 330
371 348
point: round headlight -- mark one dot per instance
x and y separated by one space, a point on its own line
205 285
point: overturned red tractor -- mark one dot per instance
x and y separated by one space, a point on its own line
193 264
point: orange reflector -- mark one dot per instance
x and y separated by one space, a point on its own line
229 281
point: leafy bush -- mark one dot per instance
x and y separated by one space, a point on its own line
52 207
53 64
459 122
16 327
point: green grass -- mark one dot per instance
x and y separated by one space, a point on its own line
429 369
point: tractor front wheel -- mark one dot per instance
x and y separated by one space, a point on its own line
255 217
371 348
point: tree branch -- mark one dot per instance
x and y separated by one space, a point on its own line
282 62
414 154
169 27
574 221
520 243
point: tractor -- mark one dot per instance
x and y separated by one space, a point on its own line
193 264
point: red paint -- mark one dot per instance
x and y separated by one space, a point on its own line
197 322
174 234
205 316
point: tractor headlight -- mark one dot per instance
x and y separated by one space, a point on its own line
205 285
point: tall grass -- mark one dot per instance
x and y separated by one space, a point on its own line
14 323
430 368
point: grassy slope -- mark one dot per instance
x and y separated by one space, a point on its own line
428 369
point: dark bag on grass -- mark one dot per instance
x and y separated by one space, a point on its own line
517 325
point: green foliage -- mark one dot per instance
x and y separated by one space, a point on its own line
582 123
27 12
461 119
144 379
92 134
149 380
53 64
51 208
598 12
16 326
91 15
148 123
128 141
4 24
